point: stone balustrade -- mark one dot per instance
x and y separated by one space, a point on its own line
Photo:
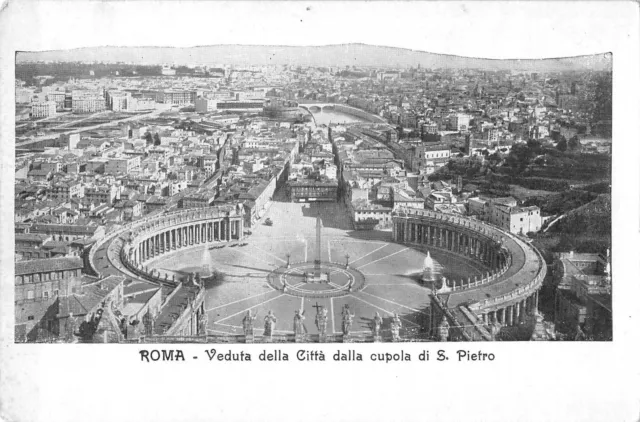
133 246
512 265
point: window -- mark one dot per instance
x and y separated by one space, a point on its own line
30 294
30 318
45 295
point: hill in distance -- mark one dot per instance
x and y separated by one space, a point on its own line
320 56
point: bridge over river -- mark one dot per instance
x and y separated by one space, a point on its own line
313 108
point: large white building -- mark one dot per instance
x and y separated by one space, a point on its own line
506 214
43 109
87 102
119 101
519 220
459 122
434 157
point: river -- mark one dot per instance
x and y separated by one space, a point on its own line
325 117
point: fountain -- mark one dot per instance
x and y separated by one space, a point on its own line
428 273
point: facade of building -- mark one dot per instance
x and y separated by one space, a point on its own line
178 97
100 194
122 165
434 157
58 98
86 105
118 101
43 109
205 105
68 232
43 279
64 191
459 122
309 190
368 216
518 220
583 305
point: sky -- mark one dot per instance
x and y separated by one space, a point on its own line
472 29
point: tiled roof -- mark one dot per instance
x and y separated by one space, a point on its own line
31 236
91 296
67 228
47 265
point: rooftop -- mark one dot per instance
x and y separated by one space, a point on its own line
48 265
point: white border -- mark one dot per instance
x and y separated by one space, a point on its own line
529 381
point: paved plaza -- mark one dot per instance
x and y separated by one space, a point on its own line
391 272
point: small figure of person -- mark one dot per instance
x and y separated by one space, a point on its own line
347 321
443 330
377 325
269 324
298 324
247 323
396 324
202 324
321 322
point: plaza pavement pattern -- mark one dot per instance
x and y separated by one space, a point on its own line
390 272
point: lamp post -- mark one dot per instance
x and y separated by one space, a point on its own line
288 260
347 257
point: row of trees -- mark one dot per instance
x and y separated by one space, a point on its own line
152 139
572 144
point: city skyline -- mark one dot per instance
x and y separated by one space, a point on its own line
149 194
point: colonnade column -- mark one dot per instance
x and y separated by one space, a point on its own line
406 231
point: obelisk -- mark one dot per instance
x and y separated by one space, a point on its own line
317 270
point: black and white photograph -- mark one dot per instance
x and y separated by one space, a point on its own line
261 194
280 181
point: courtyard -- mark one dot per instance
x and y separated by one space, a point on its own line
391 273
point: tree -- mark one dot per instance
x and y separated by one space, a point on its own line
148 138
519 157
574 142
535 146
562 144
156 139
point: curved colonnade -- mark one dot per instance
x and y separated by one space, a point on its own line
504 294
133 247
507 292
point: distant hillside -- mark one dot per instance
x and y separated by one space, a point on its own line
329 55
593 218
